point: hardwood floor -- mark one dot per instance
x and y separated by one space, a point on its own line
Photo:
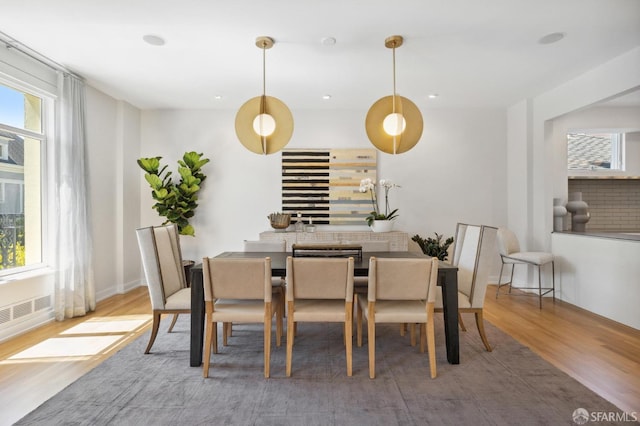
601 354
37 365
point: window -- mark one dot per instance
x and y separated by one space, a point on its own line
21 147
595 151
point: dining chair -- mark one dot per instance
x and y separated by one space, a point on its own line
510 254
278 283
400 291
319 290
473 254
164 273
239 291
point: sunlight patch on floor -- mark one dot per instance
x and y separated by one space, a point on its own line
107 325
67 347
91 338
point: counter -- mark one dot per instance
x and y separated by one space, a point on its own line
600 272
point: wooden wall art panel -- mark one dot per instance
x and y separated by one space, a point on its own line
323 184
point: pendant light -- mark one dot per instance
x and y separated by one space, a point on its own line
264 124
394 123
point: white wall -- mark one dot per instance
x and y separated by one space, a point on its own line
113 136
455 173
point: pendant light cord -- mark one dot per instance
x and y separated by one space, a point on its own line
394 77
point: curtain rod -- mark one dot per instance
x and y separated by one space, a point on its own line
12 43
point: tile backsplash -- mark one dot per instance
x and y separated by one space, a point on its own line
614 204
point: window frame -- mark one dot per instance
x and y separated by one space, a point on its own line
47 116
618 149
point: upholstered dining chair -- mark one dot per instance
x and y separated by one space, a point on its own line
509 249
164 273
239 291
277 282
360 283
400 291
473 254
320 290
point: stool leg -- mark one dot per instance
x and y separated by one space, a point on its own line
499 280
553 280
539 288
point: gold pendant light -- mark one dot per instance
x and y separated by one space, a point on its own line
394 123
264 124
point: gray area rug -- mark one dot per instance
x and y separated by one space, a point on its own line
509 386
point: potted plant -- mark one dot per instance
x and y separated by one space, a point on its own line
378 221
434 246
176 201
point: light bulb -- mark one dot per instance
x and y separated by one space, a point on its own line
264 124
394 124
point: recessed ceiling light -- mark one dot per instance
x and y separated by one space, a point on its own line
326 97
551 38
328 41
218 97
433 96
153 40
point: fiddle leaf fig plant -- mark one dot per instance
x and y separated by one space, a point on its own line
175 201
434 246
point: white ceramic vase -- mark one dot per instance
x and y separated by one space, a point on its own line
382 225
559 213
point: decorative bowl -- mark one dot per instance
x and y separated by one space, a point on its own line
280 220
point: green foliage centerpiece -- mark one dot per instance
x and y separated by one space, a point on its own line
434 246
176 201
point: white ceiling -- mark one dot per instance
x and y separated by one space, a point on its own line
472 53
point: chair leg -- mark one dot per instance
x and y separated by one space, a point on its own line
423 333
348 336
412 333
480 325
371 320
173 322
431 344
210 329
154 331
403 329
279 313
290 333
225 332
268 314
214 338
359 324
462 327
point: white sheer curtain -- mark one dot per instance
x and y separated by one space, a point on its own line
69 207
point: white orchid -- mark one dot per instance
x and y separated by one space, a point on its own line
368 185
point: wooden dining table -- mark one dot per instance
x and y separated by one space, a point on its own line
447 280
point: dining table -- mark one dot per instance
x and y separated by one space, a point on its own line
447 280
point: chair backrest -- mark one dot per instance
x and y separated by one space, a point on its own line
402 278
225 278
161 261
319 278
473 255
261 246
371 245
507 242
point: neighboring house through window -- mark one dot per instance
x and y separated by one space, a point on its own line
595 151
